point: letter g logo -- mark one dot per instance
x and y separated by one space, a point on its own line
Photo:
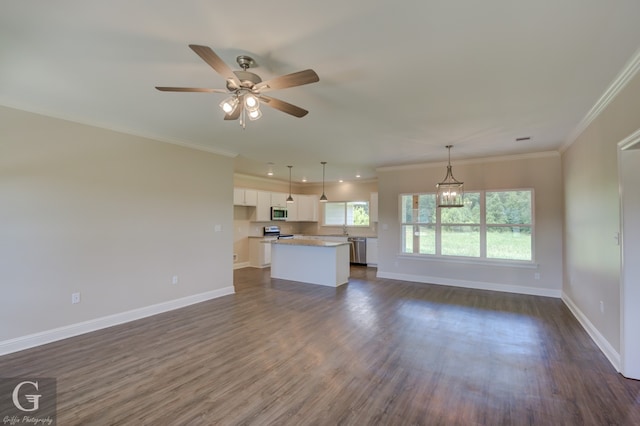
33 399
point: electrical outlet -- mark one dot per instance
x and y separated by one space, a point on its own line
75 298
235 257
536 275
174 280
602 306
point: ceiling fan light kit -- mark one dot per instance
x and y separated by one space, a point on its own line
450 191
229 104
254 115
247 89
251 102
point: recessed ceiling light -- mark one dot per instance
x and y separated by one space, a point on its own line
357 176
340 181
304 179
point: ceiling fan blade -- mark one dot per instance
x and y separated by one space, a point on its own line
215 62
284 106
290 80
190 89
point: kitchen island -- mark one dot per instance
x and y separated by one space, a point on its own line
310 261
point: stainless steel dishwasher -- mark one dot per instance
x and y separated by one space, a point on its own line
358 250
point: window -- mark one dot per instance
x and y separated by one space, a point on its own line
460 228
419 223
491 225
346 213
509 225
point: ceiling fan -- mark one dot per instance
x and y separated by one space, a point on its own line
247 89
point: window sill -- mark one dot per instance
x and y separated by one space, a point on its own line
470 261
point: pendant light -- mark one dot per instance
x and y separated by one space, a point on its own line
289 198
323 198
450 191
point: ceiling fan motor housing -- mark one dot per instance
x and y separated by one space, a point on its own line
247 80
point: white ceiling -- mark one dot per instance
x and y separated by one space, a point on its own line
399 80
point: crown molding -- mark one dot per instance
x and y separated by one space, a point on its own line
628 72
527 156
104 126
630 142
279 180
260 178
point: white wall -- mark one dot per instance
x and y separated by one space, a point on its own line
110 215
592 218
542 172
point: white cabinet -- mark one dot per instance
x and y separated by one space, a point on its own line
307 208
245 197
259 252
278 199
372 252
373 207
292 209
263 207
238 197
266 253
303 209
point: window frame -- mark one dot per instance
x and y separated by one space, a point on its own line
345 203
483 225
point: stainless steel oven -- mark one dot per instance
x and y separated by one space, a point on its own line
274 231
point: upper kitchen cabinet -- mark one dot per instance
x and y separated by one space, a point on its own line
263 207
245 197
292 209
373 207
308 208
278 199
303 209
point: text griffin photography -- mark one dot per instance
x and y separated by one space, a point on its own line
28 401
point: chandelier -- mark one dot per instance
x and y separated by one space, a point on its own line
450 191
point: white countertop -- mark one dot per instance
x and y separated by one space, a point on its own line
303 242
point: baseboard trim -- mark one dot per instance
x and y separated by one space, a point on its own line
612 355
241 265
533 291
49 336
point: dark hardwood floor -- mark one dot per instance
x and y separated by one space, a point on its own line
373 352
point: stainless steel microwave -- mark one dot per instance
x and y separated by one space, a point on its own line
278 213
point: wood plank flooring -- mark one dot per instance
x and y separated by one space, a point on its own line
373 352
